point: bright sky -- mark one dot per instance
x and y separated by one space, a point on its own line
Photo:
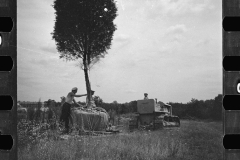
170 49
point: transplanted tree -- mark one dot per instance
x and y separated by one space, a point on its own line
84 30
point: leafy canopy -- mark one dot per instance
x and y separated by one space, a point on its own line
84 28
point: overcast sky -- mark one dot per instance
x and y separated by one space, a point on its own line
170 49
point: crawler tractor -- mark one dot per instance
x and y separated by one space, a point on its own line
152 115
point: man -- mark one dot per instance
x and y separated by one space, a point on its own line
145 96
66 109
91 102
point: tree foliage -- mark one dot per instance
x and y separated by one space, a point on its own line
84 28
209 109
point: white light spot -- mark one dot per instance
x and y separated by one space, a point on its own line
238 87
105 9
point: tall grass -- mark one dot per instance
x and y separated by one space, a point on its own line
136 146
193 140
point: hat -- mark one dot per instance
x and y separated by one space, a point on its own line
74 89
145 94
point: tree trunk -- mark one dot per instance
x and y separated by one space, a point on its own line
88 86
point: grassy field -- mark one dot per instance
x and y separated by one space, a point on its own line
194 140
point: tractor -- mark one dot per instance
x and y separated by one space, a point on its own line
152 115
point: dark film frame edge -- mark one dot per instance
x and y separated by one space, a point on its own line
8 48
228 9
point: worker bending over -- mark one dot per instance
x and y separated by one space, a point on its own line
66 109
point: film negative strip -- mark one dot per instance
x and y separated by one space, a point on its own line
231 78
8 80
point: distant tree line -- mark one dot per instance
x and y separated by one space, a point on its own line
195 109
209 109
120 108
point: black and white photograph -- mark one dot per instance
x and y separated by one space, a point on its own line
119 80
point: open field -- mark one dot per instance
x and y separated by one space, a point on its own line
194 140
